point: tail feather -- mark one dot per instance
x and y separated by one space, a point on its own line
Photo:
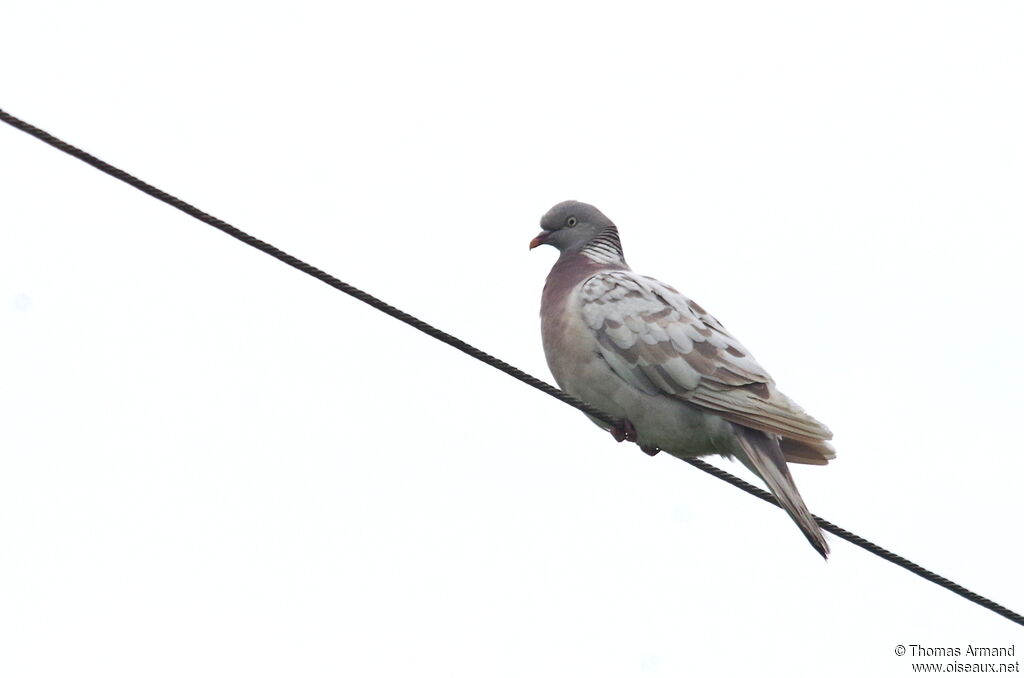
763 455
817 452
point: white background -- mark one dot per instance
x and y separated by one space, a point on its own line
211 464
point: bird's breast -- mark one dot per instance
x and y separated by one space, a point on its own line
574 358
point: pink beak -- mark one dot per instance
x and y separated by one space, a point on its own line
540 239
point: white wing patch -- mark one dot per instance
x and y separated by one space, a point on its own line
660 342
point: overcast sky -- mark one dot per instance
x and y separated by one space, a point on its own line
211 464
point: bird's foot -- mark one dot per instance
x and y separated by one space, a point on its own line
623 430
650 450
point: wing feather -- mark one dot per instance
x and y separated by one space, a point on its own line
660 342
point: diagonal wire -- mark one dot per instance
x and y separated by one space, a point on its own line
483 356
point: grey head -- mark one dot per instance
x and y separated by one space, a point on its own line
573 226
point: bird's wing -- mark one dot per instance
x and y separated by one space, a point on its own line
660 342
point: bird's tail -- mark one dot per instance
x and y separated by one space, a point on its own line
762 454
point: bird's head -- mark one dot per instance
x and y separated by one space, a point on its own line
570 226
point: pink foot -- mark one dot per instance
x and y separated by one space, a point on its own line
623 430
649 450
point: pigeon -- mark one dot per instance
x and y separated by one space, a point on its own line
640 351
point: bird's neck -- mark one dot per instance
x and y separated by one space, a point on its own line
605 248
570 270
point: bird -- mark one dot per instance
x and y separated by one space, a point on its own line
666 369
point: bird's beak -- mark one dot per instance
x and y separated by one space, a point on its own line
540 239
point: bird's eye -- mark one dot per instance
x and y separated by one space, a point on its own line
571 221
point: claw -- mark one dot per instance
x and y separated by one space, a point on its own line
624 430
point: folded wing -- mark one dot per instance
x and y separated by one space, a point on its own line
660 342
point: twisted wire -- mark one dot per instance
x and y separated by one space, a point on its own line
482 356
